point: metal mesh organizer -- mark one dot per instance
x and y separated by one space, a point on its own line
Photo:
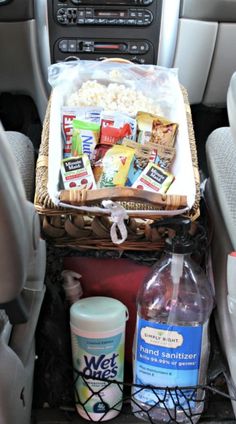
187 402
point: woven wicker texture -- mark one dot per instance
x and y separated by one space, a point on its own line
55 219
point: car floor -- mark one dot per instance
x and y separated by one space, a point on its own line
205 120
51 416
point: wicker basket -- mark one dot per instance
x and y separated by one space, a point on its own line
85 229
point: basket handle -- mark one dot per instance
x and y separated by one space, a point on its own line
117 60
125 194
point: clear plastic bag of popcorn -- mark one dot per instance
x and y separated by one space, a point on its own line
117 86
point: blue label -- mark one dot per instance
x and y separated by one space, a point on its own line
135 171
96 346
166 356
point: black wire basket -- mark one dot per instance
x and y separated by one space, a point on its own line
56 380
172 404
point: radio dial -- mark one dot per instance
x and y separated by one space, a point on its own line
61 19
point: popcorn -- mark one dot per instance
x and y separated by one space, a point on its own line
114 97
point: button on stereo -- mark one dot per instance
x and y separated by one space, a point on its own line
67 16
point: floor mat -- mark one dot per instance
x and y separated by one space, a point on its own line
19 113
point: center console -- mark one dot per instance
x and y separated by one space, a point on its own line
97 29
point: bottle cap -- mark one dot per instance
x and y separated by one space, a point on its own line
72 285
98 313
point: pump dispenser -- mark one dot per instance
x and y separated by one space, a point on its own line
171 346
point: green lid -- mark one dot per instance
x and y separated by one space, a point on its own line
98 314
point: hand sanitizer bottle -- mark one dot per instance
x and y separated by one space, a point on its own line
171 346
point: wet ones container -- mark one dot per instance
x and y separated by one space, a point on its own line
98 338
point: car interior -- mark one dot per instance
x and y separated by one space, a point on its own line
196 37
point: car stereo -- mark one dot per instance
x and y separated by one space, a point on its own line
100 15
114 2
107 28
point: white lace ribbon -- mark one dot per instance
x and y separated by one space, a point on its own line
118 230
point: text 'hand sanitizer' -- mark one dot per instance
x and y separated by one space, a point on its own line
171 346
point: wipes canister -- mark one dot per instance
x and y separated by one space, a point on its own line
98 338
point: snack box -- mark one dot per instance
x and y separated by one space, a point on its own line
77 173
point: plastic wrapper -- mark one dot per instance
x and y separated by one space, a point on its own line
142 156
115 126
121 87
68 115
116 164
85 137
156 129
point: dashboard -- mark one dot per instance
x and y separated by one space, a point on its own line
97 29
191 35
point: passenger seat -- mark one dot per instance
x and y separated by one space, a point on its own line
221 201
